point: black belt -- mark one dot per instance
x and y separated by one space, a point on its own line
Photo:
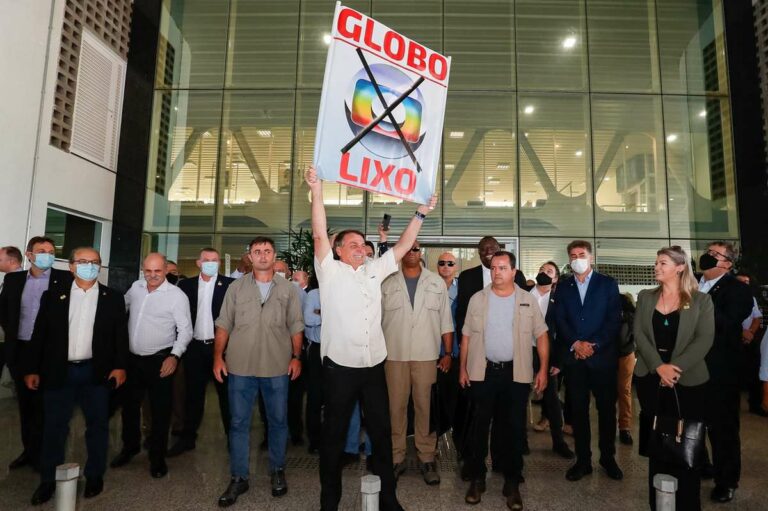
205 341
79 362
165 351
498 365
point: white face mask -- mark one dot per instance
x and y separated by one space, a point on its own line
280 274
580 266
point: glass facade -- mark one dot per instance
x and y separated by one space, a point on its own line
607 120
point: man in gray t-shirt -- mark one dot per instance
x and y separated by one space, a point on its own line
499 346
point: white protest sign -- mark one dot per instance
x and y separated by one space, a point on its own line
370 66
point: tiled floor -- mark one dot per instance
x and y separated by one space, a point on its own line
196 479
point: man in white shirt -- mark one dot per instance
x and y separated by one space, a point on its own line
751 353
353 347
159 330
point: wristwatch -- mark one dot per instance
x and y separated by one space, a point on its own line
296 357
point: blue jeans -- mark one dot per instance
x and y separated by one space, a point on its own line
353 434
243 391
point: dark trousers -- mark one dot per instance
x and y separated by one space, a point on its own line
59 404
343 387
751 370
314 410
503 400
693 405
724 406
583 381
296 389
30 409
144 379
198 365
550 403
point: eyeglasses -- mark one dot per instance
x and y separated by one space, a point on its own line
415 249
85 261
718 255
446 263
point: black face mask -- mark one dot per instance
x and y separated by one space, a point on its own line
707 262
173 279
543 279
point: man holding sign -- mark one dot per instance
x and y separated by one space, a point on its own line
352 346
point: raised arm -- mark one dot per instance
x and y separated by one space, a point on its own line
319 221
408 238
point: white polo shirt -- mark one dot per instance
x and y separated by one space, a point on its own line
352 335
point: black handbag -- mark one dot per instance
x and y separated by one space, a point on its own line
678 441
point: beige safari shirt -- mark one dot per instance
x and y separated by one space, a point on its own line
260 335
528 324
414 333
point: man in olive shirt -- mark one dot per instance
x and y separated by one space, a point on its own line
261 328
416 316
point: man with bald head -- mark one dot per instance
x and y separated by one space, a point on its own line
78 350
159 330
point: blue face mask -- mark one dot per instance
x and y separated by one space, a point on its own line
43 261
210 268
87 271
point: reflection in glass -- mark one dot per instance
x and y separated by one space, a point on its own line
262 43
692 46
702 194
421 21
623 51
192 44
479 161
479 36
555 165
181 181
551 45
630 193
255 156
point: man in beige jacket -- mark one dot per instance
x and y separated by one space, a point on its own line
416 316
497 365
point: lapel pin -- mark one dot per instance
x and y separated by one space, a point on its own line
686 306
218 283
63 297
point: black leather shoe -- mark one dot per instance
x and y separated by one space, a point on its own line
279 484
180 447
93 487
577 471
625 437
612 469
158 469
511 490
43 493
562 450
722 494
123 458
237 486
475 492
19 462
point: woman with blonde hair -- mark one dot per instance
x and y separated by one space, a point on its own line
674 329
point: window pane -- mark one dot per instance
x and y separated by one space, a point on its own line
235 246
479 155
555 165
421 21
70 231
192 44
344 205
315 27
181 182
551 46
536 251
262 42
692 46
702 190
629 161
623 52
630 262
184 249
255 175
480 38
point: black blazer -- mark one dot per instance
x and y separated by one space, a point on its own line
598 320
189 286
10 305
470 282
733 304
49 348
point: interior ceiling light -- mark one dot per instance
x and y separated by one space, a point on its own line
569 42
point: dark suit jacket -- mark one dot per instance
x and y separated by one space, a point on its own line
556 352
597 321
10 305
693 341
470 282
733 304
189 286
49 348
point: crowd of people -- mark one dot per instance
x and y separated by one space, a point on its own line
326 352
